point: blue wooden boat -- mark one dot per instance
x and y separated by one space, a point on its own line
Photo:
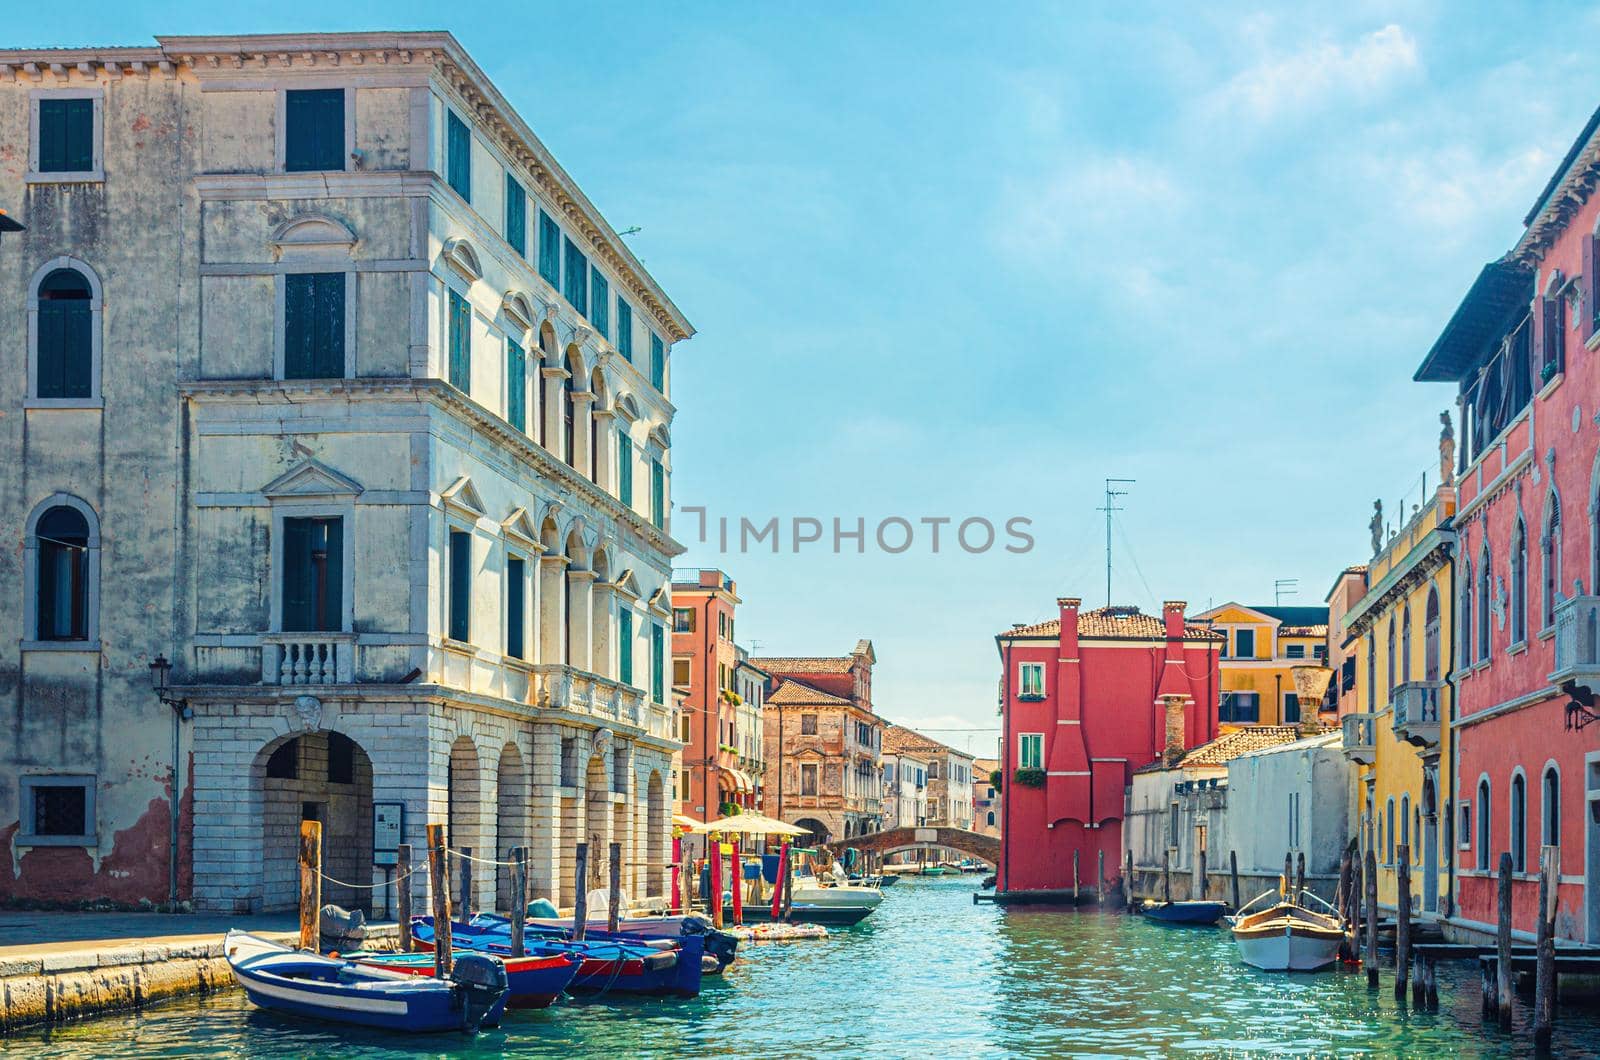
655 967
720 946
307 984
535 980
1194 913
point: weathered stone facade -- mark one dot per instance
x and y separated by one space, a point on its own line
495 585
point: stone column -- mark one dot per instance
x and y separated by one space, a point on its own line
581 401
605 451
545 835
602 602
550 408
579 584
548 594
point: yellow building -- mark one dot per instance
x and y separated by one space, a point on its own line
1398 734
1262 646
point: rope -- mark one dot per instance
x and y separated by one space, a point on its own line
367 886
481 861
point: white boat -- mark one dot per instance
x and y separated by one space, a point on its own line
1287 935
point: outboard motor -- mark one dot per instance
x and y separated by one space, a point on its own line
481 983
720 946
342 929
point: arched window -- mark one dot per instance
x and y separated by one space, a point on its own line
1550 808
569 413
1405 644
1388 833
1405 825
597 387
64 333
1391 660
1372 674
1519 583
1550 556
1519 823
1483 825
547 350
1483 591
1430 636
1464 619
62 572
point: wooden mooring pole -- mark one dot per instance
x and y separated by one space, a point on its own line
1371 903
1503 970
1286 887
439 879
1166 875
1200 856
1233 876
1343 904
519 901
1299 875
403 896
311 886
1074 877
1127 884
1544 981
614 893
466 883
1402 922
1100 878
580 901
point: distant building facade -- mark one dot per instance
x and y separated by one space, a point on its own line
905 790
987 816
949 772
705 663
1262 645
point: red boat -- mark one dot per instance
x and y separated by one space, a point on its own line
535 981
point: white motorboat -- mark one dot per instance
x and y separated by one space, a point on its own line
1287 935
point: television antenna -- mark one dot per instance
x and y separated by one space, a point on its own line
1112 493
1284 587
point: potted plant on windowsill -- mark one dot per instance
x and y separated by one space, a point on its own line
1029 777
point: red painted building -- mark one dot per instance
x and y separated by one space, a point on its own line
1522 348
1087 698
704 665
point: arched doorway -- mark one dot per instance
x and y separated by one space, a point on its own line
511 815
819 831
655 835
464 791
1430 846
315 776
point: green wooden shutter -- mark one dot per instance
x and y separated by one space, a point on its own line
297 603
80 135
331 606
625 469
658 654
625 646
516 216
516 590
516 386
625 329
460 343
600 303
549 250
577 273
658 494
460 585
313 130
658 363
66 135
328 331
298 312
458 161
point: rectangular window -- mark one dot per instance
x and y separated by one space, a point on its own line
600 303
1240 707
1244 643
460 343
460 585
516 610
658 662
516 216
458 161
683 620
625 469
624 329
808 725
1030 751
57 810
1291 708
680 673
1553 327
722 624
658 363
313 135
808 779
313 325
1032 681
516 386
549 250
625 646
577 274
658 495
313 574
66 135
1320 651
1295 651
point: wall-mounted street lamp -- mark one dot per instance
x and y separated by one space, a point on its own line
1578 711
160 673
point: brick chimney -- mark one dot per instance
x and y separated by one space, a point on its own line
1172 616
1069 625
1174 709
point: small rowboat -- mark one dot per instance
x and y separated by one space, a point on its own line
340 991
1287 935
1195 913
720 946
657 967
535 980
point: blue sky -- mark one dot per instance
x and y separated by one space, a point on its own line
947 263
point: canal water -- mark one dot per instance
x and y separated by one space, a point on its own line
928 973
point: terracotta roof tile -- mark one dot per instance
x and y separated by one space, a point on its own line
799 694
1319 630
1231 745
898 739
804 664
1115 623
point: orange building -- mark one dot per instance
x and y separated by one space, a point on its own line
705 663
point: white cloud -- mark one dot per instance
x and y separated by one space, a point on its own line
1304 79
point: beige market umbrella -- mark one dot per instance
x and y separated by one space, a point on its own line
749 824
685 822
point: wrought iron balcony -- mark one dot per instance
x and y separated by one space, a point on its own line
1578 642
1360 743
1416 712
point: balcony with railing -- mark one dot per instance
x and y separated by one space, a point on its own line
1360 737
1578 642
561 687
1416 712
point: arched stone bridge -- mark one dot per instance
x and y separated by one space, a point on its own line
978 845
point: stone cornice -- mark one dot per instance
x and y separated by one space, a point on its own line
1566 199
1429 556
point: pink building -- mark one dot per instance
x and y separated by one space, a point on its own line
1521 346
1087 699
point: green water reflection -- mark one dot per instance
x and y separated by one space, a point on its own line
928 972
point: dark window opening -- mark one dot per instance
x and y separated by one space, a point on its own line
313 574
66 135
62 534
313 325
284 763
460 585
314 130
61 810
341 759
65 337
